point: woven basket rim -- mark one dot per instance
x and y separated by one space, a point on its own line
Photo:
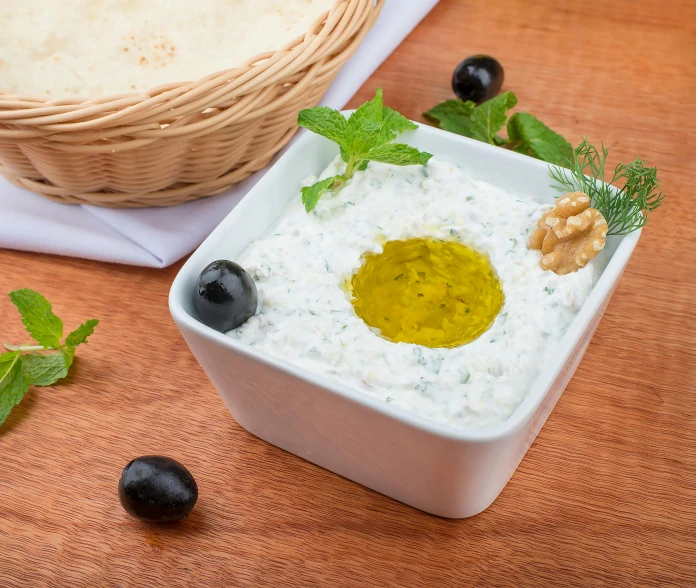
12 105
179 141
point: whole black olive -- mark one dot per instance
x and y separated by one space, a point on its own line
157 489
478 78
225 296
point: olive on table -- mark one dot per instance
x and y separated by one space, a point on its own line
157 489
478 78
225 296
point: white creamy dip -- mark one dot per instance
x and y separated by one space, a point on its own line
306 318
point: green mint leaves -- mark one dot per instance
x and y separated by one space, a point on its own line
488 118
326 122
79 335
399 154
38 318
13 385
536 139
573 170
453 116
525 133
39 365
366 136
311 194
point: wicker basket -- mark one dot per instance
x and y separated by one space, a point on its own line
181 141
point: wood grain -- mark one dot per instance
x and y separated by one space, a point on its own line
606 496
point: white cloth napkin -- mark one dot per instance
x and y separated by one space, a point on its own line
157 237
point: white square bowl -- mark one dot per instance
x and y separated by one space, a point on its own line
433 467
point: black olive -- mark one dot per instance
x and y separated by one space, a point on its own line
157 489
478 78
225 296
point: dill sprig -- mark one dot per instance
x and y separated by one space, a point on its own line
626 208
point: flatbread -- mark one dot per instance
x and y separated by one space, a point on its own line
93 48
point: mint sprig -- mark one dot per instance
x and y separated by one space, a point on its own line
525 133
365 136
39 365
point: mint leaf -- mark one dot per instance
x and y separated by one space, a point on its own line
38 318
326 122
13 385
370 137
44 370
538 140
6 358
374 124
367 128
370 113
311 194
394 121
399 154
453 116
489 117
79 335
68 356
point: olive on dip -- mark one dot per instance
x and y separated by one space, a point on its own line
225 296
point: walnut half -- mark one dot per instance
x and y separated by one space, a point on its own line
570 234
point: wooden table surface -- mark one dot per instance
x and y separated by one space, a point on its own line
605 496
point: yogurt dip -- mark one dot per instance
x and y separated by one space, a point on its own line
305 315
